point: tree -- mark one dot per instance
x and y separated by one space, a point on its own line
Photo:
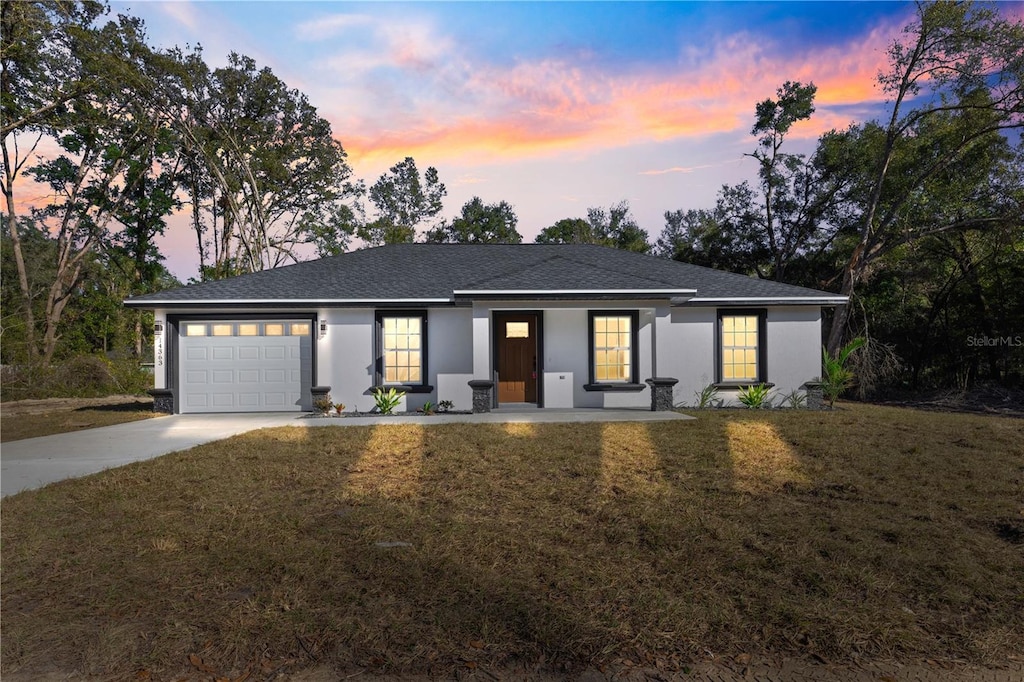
43 68
615 227
568 231
404 200
696 236
103 130
264 162
788 218
618 228
479 224
956 79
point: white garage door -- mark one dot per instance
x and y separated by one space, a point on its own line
245 365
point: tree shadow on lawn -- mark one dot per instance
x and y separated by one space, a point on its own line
568 543
140 405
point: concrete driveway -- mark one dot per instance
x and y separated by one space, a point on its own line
35 462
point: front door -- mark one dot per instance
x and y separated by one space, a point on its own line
517 358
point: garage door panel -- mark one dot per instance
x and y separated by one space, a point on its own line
276 399
246 373
223 376
196 377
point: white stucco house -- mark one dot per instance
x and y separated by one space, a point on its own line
552 325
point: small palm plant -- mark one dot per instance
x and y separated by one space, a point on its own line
387 401
755 397
836 377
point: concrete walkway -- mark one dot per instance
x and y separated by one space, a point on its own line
35 462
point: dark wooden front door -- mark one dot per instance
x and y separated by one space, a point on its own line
517 358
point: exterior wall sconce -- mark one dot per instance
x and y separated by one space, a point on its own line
323 328
158 328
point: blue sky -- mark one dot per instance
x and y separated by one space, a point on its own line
553 107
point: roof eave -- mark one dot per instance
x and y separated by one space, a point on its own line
726 301
273 302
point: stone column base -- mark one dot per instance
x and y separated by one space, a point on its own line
481 395
163 400
662 390
815 395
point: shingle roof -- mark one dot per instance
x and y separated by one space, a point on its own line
409 272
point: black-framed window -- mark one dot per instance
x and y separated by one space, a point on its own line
741 347
401 347
613 340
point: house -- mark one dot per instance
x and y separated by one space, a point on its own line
481 325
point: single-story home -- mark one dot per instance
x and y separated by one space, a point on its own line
480 325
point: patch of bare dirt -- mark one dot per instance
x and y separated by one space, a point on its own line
50 405
993 400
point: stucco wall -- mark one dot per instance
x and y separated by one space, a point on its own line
673 342
566 345
686 349
345 357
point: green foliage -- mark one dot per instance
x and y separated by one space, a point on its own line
80 376
387 401
953 84
615 227
836 376
795 399
428 408
479 224
338 408
404 200
568 231
755 397
707 397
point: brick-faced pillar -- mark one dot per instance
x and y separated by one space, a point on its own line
662 389
481 395
163 400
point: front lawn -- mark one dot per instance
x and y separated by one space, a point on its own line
864 534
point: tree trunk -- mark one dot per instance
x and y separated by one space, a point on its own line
12 225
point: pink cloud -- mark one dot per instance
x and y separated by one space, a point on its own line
551 105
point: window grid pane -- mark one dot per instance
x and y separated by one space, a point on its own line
739 348
612 348
402 357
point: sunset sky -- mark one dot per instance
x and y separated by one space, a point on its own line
553 107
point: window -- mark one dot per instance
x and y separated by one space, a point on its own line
222 329
742 355
402 351
517 330
195 330
613 347
300 329
273 329
248 329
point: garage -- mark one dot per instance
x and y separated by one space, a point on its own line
245 365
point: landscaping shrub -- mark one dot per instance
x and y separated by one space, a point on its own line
81 376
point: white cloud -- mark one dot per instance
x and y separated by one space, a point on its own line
330 26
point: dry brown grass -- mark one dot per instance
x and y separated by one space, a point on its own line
34 418
865 533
